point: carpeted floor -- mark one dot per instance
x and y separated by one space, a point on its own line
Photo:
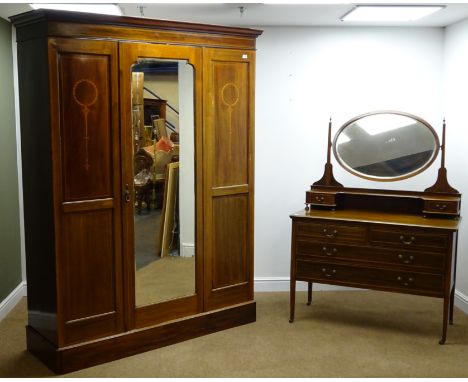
146 236
342 334
168 278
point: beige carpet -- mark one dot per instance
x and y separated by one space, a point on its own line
342 334
165 279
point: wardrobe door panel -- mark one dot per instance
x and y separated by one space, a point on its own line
231 117
87 191
85 129
229 143
229 233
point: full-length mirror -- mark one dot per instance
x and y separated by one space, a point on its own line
164 193
386 146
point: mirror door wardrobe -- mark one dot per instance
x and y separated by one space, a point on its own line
137 155
160 248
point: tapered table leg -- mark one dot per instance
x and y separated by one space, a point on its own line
445 320
292 299
309 293
452 301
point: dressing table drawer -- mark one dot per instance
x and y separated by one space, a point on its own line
385 279
385 256
408 239
442 207
319 198
332 232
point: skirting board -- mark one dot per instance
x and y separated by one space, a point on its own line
12 299
187 250
461 301
262 284
281 284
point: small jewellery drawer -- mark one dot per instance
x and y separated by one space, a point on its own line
387 279
441 207
305 248
331 232
320 198
406 238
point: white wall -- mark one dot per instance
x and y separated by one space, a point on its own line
304 76
166 86
456 98
186 160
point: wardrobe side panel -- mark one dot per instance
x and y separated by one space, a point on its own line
37 186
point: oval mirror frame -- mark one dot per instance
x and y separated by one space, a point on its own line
426 158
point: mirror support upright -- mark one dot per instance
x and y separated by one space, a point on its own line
328 180
442 184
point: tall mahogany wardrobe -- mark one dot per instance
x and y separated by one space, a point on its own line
78 144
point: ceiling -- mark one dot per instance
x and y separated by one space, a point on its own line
266 14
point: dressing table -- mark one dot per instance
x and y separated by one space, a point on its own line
395 241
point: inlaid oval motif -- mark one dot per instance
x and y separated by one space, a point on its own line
230 94
85 93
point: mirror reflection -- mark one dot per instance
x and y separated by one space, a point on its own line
386 146
164 210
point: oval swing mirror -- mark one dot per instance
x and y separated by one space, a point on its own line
386 145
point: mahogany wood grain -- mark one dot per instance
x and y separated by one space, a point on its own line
372 277
36 152
130 23
166 310
381 251
79 356
85 137
229 266
75 97
85 128
397 219
396 256
229 176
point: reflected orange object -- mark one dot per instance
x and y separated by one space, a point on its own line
164 144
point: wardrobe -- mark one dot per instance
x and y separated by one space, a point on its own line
78 141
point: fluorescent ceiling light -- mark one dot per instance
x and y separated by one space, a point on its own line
106 9
389 13
382 123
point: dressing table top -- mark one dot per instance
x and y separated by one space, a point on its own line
379 217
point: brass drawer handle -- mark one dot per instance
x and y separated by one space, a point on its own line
325 272
441 207
329 253
319 199
402 281
330 235
405 241
408 260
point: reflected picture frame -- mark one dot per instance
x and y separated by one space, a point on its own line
168 209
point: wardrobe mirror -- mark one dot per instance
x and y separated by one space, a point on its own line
164 193
386 145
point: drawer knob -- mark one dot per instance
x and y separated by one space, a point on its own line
406 260
404 240
329 253
327 273
405 282
319 199
441 207
330 235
